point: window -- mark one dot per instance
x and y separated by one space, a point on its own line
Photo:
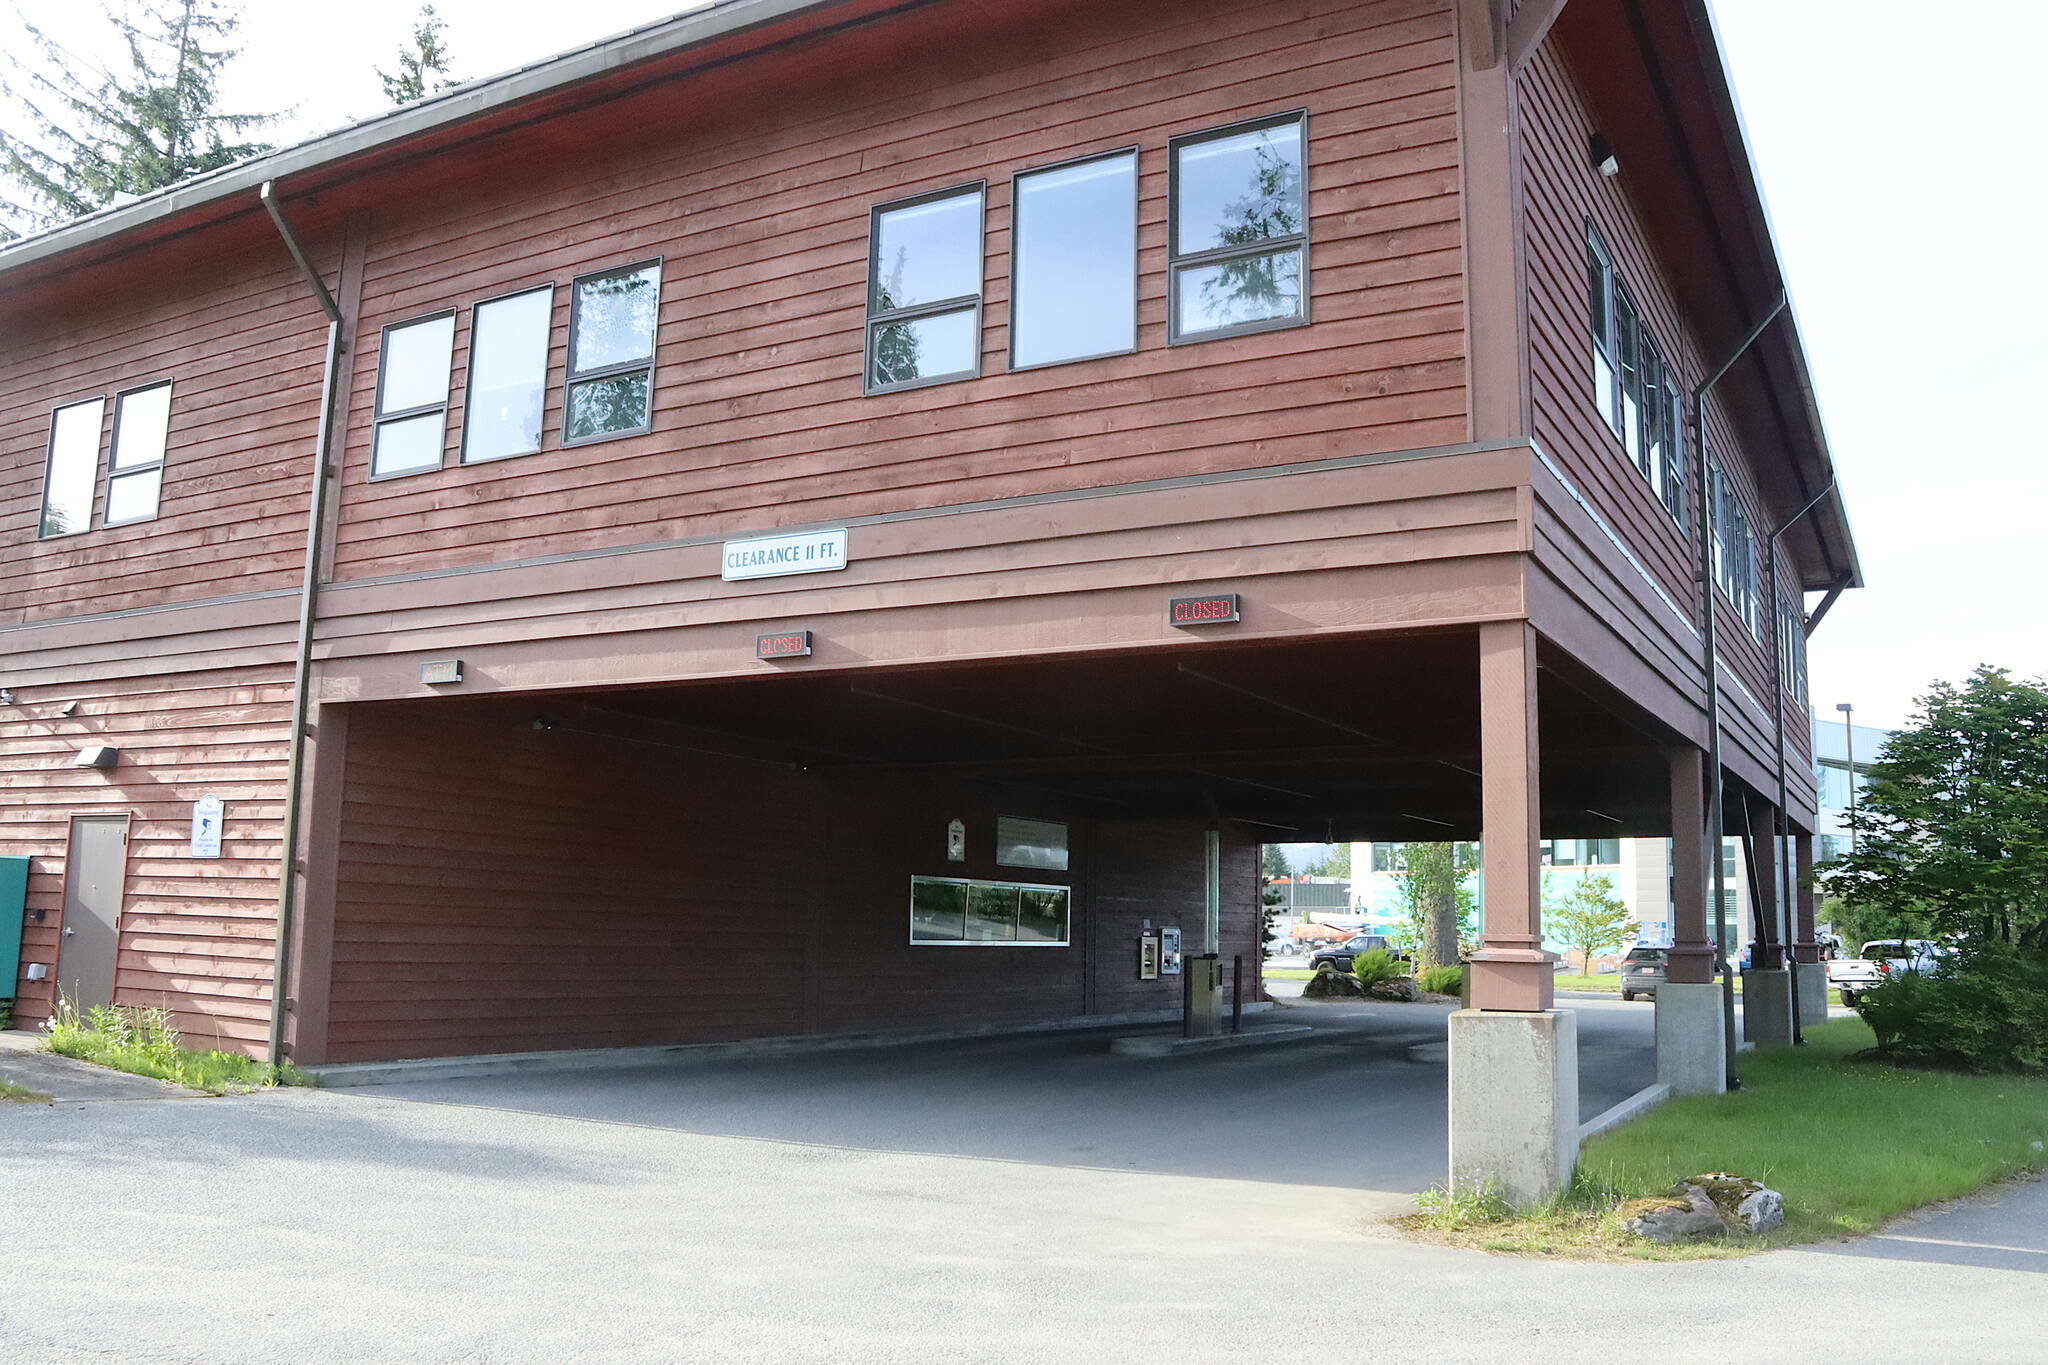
1834 787
135 478
1387 858
72 468
1579 852
1238 224
1734 548
1074 277
1636 392
1792 649
924 290
1832 846
508 375
1031 843
412 395
611 353
950 911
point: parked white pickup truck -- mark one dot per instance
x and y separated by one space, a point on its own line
1882 957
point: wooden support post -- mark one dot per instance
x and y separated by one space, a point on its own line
1692 951
1804 948
1766 890
1511 971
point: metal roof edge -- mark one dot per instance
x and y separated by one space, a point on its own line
444 110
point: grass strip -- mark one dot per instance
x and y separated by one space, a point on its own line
216 1073
10 1093
1851 1143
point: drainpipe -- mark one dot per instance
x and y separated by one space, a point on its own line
1710 654
1781 825
309 593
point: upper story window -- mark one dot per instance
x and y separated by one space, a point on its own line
412 395
506 390
924 290
612 318
1074 261
1238 229
1580 852
135 475
1735 557
72 467
1792 649
1636 392
135 467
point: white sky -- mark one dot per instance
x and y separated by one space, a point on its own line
1903 161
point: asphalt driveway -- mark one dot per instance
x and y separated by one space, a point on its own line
899 1206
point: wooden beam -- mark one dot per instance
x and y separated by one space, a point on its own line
1481 32
1532 21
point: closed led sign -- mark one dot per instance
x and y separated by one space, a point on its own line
790 644
1219 609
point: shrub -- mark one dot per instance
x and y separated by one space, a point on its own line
6 1015
1376 966
144 1042
1983 1009
1447 979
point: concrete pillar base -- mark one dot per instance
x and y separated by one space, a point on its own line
1514 1102
1692 1050
1813 993
1766 1004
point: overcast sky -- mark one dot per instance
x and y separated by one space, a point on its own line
1903 162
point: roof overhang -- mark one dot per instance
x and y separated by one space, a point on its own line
1657 80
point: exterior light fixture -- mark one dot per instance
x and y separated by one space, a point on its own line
6 696
101 756
69 708
1601 153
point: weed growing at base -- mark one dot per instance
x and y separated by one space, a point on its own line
142 1042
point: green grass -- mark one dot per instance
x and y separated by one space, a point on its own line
1850 1143
10 1093
142 1042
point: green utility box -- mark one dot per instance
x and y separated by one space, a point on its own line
13 910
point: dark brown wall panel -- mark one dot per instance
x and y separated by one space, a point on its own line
575 890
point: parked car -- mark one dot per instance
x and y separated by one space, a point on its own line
1339 958
1881 957
1642 971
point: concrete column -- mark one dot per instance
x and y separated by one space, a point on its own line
1692 951
1810 981
1514 1102
1767 1005
1692 1053
1510 971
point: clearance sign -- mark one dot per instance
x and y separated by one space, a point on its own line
772 556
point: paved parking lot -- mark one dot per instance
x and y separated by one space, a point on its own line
1028 1200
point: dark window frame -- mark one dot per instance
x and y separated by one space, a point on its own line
1737 581
462 459
916 312
114 470
1658 404
1176 261
379 418
571 376
50 465
1136 153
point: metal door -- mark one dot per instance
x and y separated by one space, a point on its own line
93 873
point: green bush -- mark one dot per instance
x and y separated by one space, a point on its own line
1376 966
1983 1009
144 1042
1448 979
6 1015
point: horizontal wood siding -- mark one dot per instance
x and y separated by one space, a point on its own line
760 210
195 935
242 344
1563 193
584 891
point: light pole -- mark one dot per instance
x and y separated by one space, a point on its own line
1849 753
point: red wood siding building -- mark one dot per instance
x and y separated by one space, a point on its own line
562 849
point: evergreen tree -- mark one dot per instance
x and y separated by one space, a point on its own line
1952 832
422 62
151 121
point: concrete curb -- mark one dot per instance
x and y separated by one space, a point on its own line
341 1075
1159 1045
1642 1102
